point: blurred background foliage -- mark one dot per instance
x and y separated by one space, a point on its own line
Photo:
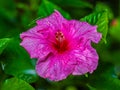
17 70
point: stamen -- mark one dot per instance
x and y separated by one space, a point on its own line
61 43
59 36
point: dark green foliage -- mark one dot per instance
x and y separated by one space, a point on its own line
18 63
3 43
47 7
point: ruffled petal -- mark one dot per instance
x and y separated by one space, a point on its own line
54 68
36 42
84 30
35 47
30 33
39 32
54 21
87 60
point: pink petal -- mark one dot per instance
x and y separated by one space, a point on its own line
85 30
54 68
34 47
39 32
34 41
54 21
87 60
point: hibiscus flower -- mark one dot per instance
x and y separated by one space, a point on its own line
62 47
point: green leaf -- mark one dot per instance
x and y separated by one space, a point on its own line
17 62
102 6
101 20
75 3
90 87
104 78
47 7
3 43
16 84
76 8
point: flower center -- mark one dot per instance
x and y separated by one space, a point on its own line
61 44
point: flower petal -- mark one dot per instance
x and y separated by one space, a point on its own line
34 47
54 68
87 60
35 42
39 32
54 21
85 30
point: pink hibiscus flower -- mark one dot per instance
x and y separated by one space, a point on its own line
62 47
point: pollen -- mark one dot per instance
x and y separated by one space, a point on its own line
61 43
59 36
